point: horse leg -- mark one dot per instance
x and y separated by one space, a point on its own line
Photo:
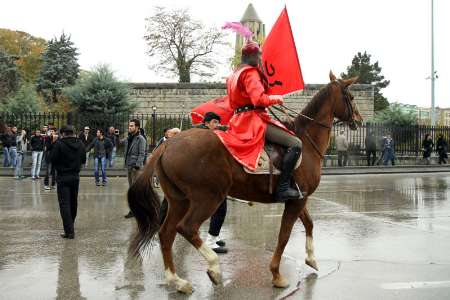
202 207
178 205
291 212
177 209
310 260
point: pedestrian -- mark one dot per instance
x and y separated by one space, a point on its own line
21 152
173 132
371 149
164 137
102 148
9 141
388 151
142 132
68 155
214 241
427 148
135 146
113 135
442 148
37 149
217 244
86 138
49 141
342 149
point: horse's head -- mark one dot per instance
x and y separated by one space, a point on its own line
345 109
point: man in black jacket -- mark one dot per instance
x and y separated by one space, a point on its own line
68 155
86 137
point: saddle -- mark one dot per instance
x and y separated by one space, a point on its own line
271 160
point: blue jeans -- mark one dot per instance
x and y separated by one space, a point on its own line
113 157
100 162
18 172
9 158
36 166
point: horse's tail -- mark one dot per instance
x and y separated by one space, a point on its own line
144 203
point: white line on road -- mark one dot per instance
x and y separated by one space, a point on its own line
415 285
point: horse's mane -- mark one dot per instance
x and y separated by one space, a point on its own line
311 109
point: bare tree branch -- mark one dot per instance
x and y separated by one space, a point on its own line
181 46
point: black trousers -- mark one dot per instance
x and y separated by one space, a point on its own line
217 219
50 171
215 224
373 154
342 154
68 200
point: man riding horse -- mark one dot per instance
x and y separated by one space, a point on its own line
251 125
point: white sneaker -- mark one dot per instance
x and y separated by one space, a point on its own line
211 241
47 188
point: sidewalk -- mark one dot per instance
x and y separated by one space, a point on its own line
352 170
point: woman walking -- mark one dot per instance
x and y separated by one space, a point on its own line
427 148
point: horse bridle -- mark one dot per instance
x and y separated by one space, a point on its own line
349 114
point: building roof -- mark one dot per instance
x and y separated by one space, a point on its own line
250 15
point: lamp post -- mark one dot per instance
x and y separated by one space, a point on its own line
154 126
433 73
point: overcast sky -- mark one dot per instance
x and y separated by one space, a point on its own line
328 34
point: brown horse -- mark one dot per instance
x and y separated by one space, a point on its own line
196 173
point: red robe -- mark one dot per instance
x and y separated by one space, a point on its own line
244 138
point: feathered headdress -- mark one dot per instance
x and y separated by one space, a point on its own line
239 29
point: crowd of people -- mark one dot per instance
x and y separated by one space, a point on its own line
386 148
62 154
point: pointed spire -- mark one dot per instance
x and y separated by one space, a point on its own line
250 15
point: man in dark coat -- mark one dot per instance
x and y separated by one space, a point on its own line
371 149
102 150
210 121
135 151
442 148
86 138
68 155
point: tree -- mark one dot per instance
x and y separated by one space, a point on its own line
100 92
369 74
25 100
27 48
180 45
59 69
9 75
395 115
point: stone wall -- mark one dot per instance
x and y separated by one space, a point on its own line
182 97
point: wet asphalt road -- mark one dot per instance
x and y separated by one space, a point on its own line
376 237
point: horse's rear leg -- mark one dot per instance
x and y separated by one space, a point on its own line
310 260
198 212
291 212
177 209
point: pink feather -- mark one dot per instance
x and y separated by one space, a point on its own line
239 29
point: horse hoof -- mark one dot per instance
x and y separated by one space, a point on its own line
214 276
185 287
312 264
280 282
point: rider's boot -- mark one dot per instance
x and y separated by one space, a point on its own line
284 191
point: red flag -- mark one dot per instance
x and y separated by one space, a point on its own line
280 59
220 106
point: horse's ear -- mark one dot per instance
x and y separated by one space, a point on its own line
332 77
350 81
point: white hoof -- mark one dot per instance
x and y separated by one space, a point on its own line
312 263
280 282
184 286
214 275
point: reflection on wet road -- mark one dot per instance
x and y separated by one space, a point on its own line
376 237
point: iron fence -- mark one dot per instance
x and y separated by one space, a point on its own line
408 139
